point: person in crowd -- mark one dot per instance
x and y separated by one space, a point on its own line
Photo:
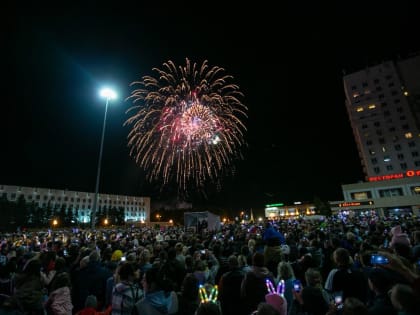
144 261
110 282
285 272
415 250
126 292
173 270
345 278
179 248
405 300
230 287
253 286
312 298
201 271
29 294
158 300
352 306
92 280
408 274
380 283
48 269
59 301
188 296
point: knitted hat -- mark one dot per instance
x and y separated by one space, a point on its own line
116 255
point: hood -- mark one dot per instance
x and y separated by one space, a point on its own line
159 301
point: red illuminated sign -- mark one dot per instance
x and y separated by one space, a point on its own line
409 173
355 204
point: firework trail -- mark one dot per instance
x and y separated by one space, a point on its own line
186 123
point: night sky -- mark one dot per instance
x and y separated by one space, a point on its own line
288 60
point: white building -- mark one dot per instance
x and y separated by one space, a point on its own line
383 105
387 197
136 209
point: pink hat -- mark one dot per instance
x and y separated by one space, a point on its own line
398 237
396 230
278 302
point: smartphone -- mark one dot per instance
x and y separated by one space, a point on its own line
65 252
296 285
338 300
123 258
202 251
377 259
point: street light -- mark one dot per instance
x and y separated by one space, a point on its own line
108 94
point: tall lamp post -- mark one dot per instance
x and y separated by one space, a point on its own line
108 94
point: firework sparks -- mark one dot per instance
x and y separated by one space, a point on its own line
186 123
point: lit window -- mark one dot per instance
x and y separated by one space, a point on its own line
387 158
359 109
408 135
383 149
372 106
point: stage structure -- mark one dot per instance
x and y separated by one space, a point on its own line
202 220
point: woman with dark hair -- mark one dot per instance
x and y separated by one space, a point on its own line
188 297
157 299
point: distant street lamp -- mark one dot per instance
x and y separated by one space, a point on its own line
55 222
108 94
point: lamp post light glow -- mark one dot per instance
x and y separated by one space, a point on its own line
108 94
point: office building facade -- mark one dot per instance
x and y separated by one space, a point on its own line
136 209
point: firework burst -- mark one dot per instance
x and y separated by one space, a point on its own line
186 123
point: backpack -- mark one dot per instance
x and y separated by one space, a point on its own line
124 298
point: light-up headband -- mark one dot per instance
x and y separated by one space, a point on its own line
204 298
280 287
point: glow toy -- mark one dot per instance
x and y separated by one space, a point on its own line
204 298
280 287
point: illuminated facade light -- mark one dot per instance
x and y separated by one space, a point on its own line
359 109
408 135
372 106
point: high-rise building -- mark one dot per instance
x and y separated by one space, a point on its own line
382 103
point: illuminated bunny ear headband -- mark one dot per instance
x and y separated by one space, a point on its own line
280 287
204 297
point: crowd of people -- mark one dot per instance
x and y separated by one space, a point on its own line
342 265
